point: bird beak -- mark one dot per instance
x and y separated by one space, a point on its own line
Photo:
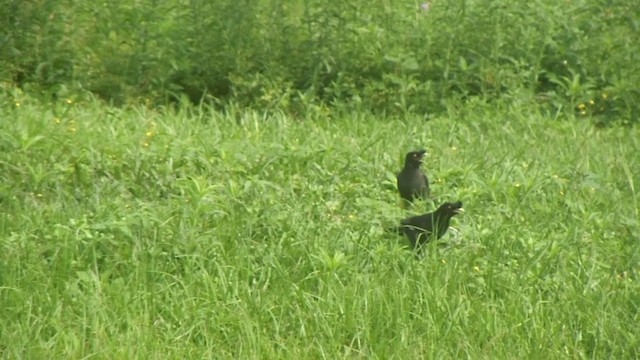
459 211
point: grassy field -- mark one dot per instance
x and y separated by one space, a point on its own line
131 233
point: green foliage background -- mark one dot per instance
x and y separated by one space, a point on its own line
384 56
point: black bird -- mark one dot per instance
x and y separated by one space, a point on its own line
412 182
422 228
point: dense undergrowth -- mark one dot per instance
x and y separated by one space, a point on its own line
576 56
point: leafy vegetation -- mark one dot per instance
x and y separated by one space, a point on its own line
575 56
143 233
197 179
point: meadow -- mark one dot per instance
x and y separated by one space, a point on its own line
198 179
131 232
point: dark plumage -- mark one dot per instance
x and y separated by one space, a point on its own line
412 182
422 228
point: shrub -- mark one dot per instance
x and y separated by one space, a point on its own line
573 56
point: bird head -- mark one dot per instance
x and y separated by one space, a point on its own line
451 208
414 158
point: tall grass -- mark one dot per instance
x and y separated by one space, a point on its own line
133 233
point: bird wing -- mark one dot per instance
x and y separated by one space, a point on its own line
426 189
418 228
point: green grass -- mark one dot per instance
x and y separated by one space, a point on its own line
132 233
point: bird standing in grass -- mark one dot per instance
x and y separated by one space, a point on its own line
422 228
412 182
